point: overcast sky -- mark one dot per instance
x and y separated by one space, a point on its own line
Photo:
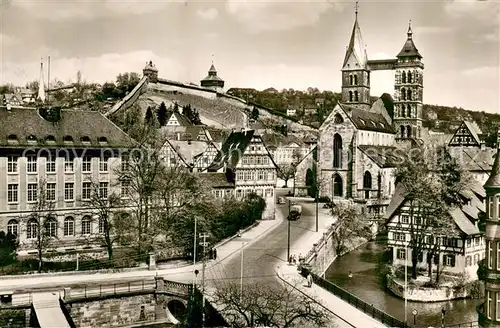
255 43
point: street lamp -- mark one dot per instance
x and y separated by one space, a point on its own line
288 248
414 312
406 281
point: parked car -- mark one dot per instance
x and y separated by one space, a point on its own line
280 200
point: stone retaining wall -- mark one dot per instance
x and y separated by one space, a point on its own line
426 294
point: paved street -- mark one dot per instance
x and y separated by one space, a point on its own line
261 257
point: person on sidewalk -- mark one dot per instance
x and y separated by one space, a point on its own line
214 254
294 259
309 280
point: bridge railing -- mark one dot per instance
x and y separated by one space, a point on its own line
472 324
358 303
92 291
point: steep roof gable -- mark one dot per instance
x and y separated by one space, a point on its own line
356 52
468 131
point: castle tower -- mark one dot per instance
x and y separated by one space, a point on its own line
489 316
408 88
212 81
355 71
151 72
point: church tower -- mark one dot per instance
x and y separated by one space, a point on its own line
408 89
489 312
355 72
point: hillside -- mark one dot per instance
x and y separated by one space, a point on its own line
313 106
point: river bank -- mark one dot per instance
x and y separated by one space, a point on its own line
368 283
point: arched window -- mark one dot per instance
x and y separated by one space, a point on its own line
402 131
337 150
367 184
51 227
69 226
403 94
338 119
86 225
355 79
403 77
409 110
351 79
408 94
32 229
356 96
350 96
403 110
337 185
409 78
12 227
408 131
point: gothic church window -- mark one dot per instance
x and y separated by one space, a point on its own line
408 94
355 79
403 94
350 79
403 77
408 131
337 185
409 111
356 96
367 183
409 78
338 119
350 96
402 131
403 110
337 151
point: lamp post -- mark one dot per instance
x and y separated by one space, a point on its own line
316 196
241 275
443 312
406 280
414 312
288 247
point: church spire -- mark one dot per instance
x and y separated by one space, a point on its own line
410 32
41 84
356 47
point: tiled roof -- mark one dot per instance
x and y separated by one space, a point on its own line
473 159
212 78
383 156
458 214
409 48
494 179
232 150
474 130
218 135
182 119
189 149
77 125
216 180
388 103
367 121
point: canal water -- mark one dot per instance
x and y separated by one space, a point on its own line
365 263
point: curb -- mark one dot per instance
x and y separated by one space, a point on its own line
228 239
278 221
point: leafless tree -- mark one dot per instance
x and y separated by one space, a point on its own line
41 223
273 305
113 228
288 171
350 223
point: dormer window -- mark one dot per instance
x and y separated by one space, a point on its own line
85 140
68 139
12 138
31 139
50 139
103 140
362 121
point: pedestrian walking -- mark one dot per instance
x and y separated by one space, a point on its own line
290 259
214 254
294 259
309 280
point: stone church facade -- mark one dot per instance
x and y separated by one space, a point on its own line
361 143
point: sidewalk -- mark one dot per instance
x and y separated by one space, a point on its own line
181 274
345 314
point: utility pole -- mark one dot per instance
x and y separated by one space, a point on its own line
288 248
194 242
316 196
204 244
241 275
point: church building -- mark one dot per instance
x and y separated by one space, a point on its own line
361 143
